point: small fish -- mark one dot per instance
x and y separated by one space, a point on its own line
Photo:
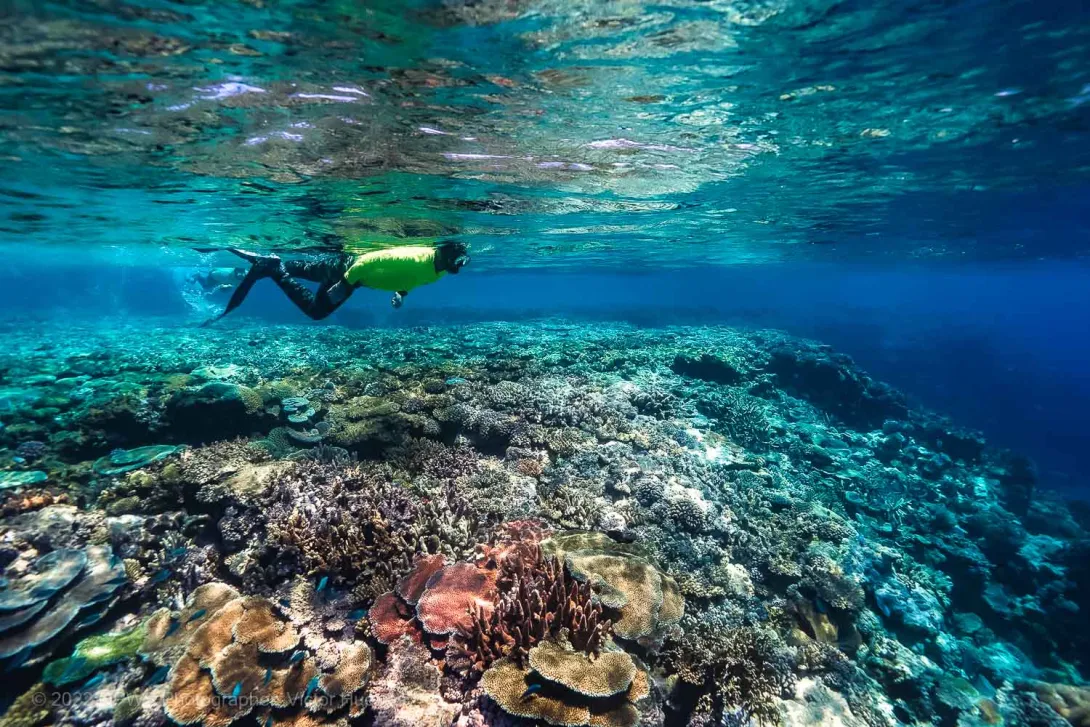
159 676
285 602
174 624
177 552
268 676
161 576
18 460
93 682
237 690
269 721
357 614
311 686
18 660
89 621
532 689
297 657
197 614
322 584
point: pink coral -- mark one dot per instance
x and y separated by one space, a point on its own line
411 587
391 619
451 593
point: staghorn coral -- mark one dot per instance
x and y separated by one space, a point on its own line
571 507
537 599
745 669
355 523
647 601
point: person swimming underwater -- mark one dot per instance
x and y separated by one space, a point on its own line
398 269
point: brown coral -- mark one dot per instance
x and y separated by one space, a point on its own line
646 599
538 599
1070 702
509 687
351 674
570 689
608 674
225 665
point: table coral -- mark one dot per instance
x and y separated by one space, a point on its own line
571 689
220 645
71 590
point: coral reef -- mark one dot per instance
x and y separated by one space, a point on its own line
63 592
537 599
647 601
480 525
219 649
565 687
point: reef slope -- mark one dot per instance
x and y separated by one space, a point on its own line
600 525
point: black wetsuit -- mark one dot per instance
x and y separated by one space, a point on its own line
326 270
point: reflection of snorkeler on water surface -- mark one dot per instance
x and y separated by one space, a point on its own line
397 269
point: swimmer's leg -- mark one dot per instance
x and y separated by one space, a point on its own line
263 266
316 305
327 270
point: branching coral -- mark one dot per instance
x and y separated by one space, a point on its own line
646 600
537 599
355 523
743 669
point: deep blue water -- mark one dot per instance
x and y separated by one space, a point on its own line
1002 348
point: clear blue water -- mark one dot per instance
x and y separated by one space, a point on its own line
908 183
930 160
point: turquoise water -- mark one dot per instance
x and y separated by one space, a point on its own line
761 400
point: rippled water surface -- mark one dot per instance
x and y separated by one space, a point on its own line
559 132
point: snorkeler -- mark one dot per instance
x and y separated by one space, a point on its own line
398 269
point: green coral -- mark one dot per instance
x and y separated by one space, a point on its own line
94 653
251 399
21 479
29 710
127 709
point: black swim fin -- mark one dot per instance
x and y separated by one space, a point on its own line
263 266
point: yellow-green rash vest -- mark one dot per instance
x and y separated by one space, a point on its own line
398 268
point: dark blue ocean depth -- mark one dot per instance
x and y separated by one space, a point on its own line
1001 348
